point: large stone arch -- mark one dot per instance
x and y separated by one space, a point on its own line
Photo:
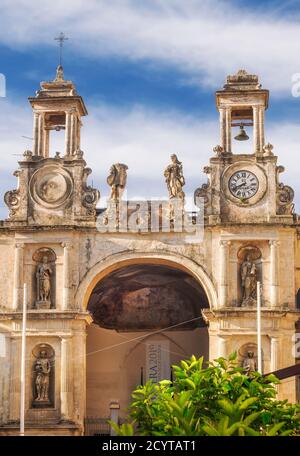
114 359
116 261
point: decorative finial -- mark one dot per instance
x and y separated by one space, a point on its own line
27 155
59 74
242 81
218 150
268 148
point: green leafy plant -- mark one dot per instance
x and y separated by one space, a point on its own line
219 399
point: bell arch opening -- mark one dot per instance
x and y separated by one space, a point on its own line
146 317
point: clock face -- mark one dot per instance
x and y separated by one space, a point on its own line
243 184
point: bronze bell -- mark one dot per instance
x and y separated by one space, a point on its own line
242 136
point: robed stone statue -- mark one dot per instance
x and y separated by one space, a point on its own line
174 178
249 363
42 379
43 277
248 280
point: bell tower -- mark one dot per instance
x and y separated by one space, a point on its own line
54 189
242 102
56 107
244 187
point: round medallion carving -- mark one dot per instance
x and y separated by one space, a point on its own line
51 186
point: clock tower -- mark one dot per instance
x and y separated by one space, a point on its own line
244 187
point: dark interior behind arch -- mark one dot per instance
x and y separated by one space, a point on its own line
146 297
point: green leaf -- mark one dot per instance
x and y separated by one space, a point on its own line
210 430
126 429
249 431
250 418
185 365
241 431
165 382
232 356
244 405
190 382
227 406
272 378
273 431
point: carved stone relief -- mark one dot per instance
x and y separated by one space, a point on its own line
204 192
284 196
51 186
90 195
12 198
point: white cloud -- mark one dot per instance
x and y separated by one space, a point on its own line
143 139
204 39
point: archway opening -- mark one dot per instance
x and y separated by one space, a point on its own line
146 317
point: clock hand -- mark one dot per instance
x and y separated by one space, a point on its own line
241 185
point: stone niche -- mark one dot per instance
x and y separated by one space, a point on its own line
243 354
249 259
44 278
144 297
43 377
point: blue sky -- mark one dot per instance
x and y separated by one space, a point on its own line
148 71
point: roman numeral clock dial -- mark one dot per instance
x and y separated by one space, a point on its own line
243 184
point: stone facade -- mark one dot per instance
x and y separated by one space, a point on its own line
248 216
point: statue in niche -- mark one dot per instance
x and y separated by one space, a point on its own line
248 280
249 363
42 369
117 180
174 178
43 277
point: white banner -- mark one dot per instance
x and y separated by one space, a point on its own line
158 361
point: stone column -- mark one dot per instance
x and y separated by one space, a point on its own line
46 143
14 387
261 128
68 133
256 139
41 136
78 133
65 381
73 133
228 130
222 347
224 248
274 353
79 372
223 128
66 276
18 276
274 273
5 366
36 133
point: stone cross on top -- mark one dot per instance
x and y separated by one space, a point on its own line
61 38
